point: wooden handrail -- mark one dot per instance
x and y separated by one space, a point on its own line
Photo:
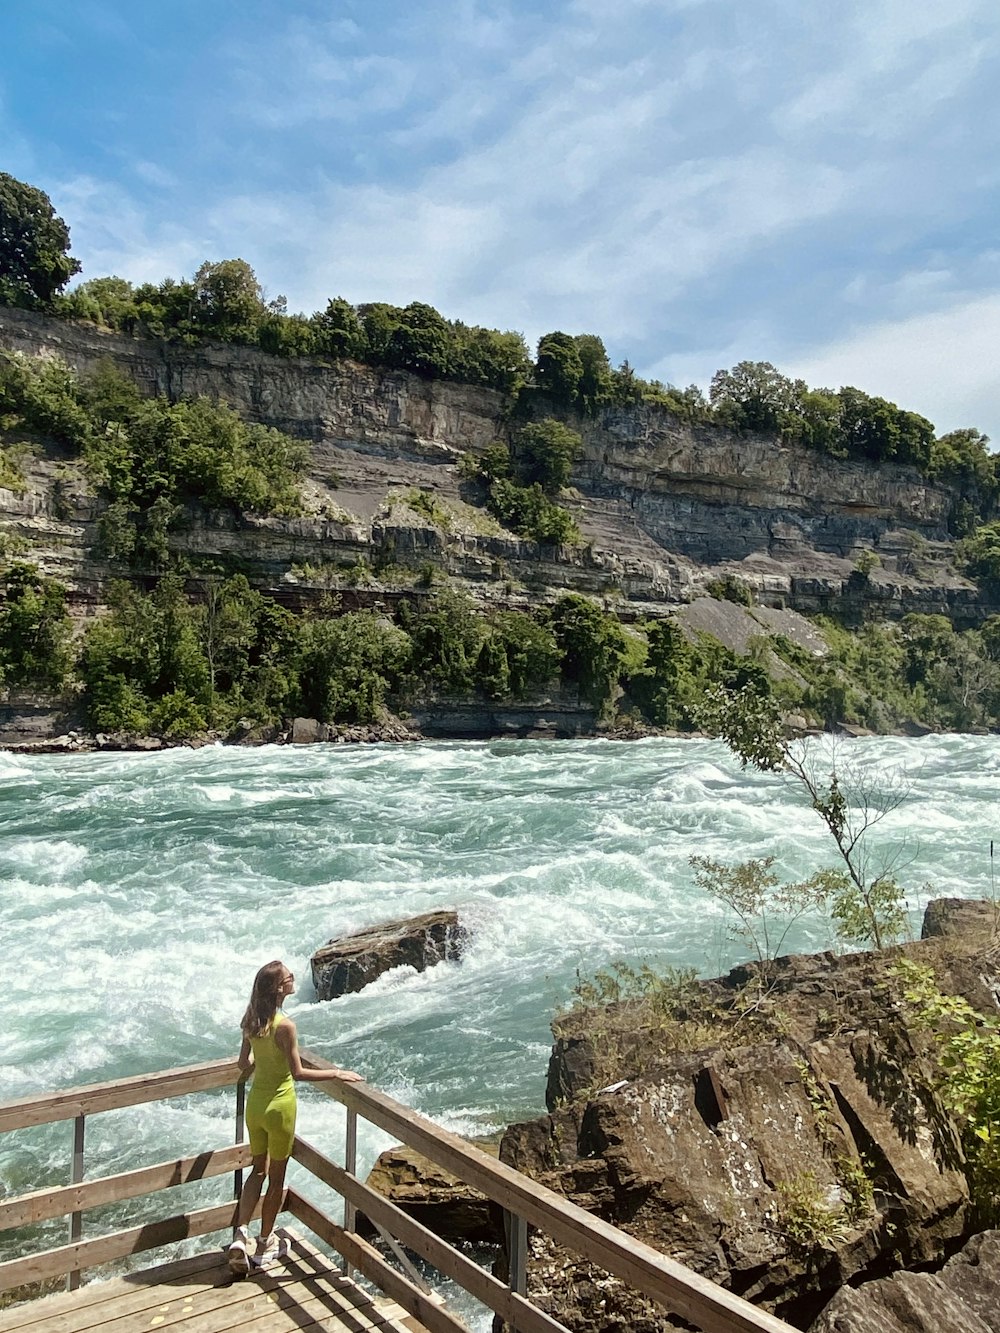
662 1279
25 1209
680 1289
514 1309
45 1108
102 1249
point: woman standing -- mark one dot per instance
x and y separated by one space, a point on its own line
271 1049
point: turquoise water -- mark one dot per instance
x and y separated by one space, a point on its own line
139 893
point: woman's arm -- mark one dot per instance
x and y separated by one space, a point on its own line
288 1042
245 1057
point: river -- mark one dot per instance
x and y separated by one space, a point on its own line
140 892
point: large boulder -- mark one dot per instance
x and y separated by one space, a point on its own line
782 1134
350 962
960 1298
431 1195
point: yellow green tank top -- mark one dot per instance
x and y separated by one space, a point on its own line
271 1073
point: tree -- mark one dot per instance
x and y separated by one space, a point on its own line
593 647
338 329
545 452
558 367
596 386
754 396
229 301
865 898
34 244
34 628
420 341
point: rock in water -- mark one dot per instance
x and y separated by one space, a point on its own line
350 962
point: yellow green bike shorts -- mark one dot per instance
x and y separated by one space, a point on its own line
271 1122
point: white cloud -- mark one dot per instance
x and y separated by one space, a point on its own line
674 176
942 364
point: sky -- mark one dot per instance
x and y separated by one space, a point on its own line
697 181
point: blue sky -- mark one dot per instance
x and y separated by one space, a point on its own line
697 181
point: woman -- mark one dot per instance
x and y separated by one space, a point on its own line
270 1047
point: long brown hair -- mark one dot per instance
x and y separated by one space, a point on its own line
263 999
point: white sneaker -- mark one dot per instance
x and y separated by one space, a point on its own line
237 1255
274 1250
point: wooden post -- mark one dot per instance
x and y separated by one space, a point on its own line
518 1254
351 1166
76 1176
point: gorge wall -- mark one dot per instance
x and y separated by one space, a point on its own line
662 505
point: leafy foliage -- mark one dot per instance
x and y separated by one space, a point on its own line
150 457
34 629
34 246
866 900
765 908
349 664
967 1047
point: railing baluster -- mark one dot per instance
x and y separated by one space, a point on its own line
241 1097
76 1175
517 1248
351 1165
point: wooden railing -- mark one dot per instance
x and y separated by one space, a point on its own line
525 1202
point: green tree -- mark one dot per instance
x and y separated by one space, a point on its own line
593 648
142 665
558 368
545 451
34 246
523 654
596 387
447 637
420 341
349 665
754 396
109 302
229 301
339 331
34 629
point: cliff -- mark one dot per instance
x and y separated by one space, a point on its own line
663 505
784 1148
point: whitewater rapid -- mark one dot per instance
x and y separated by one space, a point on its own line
140 892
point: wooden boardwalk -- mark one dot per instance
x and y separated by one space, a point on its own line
200 1295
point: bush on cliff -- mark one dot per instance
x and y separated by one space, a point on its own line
35 647
150 458
348 666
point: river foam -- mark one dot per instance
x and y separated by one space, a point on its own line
139 893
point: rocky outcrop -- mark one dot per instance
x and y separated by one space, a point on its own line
662 504
434 1197
959 1298
783 1139
349 962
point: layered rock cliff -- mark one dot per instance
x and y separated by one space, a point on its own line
662 505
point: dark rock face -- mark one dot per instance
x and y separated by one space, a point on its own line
434 1197
961 1298
782 1164
350 962
954 918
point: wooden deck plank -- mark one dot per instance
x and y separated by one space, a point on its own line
199 1295
92 1293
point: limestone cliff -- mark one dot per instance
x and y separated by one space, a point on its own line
662 505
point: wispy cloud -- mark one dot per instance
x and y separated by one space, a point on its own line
692 180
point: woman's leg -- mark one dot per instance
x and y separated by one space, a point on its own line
252 1187
272 1199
